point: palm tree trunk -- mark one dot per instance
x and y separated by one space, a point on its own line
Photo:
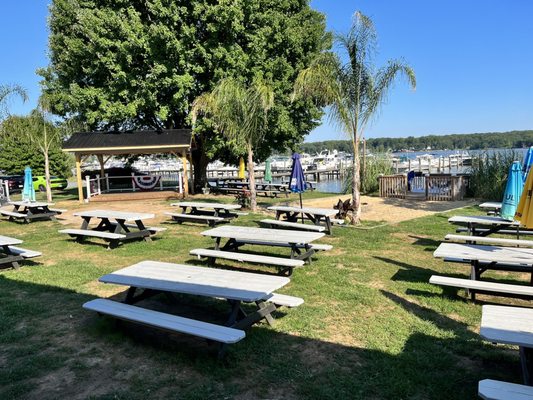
47 177
355 215
251 178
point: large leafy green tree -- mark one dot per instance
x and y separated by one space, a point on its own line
240 113
352 88
140 63
17 151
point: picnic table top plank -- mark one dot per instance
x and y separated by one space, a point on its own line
30 204
9 241
481 220
199 204
489 240
123 215
327 212
263 234
508 325
491 204
472 252
202 281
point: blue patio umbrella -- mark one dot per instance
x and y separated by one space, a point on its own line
268 171
528 161
28 192
513 191
297 179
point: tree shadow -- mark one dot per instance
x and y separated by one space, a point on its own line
102 357
412 273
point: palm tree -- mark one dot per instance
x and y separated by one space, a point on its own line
6 91
352 90
239 113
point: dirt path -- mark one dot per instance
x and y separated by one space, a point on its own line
392 210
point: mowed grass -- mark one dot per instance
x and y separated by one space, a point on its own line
371 326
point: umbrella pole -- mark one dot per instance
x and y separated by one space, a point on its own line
301 206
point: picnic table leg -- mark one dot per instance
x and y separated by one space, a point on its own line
217 243
85 223
328 225
142 228
12 259
263 311
474 275
526 362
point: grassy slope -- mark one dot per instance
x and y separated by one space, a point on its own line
371 327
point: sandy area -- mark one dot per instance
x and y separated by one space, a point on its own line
374 208
392 210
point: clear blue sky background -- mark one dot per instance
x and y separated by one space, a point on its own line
473 60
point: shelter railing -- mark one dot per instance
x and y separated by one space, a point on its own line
446 187
133 183
4 192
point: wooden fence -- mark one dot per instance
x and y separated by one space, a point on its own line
393 186
439 187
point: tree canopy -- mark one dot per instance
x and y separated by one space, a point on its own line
136 64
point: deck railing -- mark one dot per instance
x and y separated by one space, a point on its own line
393 186
439 187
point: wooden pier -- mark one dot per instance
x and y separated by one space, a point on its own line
312 175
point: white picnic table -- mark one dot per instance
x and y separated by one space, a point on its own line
211 213
483 258
241 235
318 216
113 226
514 326
153 277
484 225
11 255
491 205
30 211
7 256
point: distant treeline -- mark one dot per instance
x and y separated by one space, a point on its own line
472 141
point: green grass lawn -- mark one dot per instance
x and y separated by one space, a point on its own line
371 326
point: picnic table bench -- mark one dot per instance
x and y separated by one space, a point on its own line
113 226
491 207
236 288
514 326
488 240
210 213
31 211
489 389
237 236
318 216
11 255
483 287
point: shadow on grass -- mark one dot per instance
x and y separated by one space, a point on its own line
46 336
429 243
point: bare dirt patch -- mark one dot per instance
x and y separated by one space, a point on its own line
392 210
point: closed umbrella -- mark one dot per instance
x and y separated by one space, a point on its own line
28 192
524 211
513 191
297 179
528 161
241 168
268 171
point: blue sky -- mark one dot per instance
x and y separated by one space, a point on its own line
473 60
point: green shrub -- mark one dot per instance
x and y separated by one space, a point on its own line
489 174
375 165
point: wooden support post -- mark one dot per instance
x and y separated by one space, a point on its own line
78 177
102 169
192 174
185 177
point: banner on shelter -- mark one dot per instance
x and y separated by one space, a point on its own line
147 182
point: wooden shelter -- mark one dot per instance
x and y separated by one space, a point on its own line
100 144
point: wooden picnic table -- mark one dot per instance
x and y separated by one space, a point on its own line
153 277
491 205
318 216
482 258
484 225
514 326
31 211
201 208
7 256
113 226
240 235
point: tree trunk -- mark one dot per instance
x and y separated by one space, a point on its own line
251 178
355 215
47 177
199 161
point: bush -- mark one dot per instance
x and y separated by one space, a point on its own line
375 165
489 174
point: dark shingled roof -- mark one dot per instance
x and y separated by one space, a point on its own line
99 141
